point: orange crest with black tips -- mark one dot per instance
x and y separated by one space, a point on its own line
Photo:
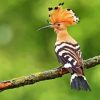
58 14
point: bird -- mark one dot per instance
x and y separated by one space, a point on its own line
67 48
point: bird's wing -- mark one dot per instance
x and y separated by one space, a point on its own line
69 58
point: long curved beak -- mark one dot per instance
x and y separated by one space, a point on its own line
45 27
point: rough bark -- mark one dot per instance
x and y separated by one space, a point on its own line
46 75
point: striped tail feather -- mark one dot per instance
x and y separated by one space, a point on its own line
79 83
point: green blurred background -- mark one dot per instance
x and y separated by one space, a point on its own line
23 50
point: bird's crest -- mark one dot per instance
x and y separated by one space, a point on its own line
58 14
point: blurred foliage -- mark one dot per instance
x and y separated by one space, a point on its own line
23 50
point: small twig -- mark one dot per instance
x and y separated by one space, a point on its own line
46 75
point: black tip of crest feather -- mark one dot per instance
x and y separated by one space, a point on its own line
56 8
63 3
60 4
68 9
50 8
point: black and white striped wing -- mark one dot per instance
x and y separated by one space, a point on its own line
67 56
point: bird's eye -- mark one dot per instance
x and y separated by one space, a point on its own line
58 24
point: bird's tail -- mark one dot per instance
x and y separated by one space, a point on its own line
79 82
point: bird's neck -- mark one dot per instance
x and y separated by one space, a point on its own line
63 36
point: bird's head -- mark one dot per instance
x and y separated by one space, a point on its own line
61 18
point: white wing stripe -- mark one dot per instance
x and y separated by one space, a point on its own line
67 65
74 62
62 52
77 46
70 58
65 56
64 44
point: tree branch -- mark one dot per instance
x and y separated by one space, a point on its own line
46 75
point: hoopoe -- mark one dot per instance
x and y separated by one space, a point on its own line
67 49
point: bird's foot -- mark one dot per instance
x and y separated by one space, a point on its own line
62 70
